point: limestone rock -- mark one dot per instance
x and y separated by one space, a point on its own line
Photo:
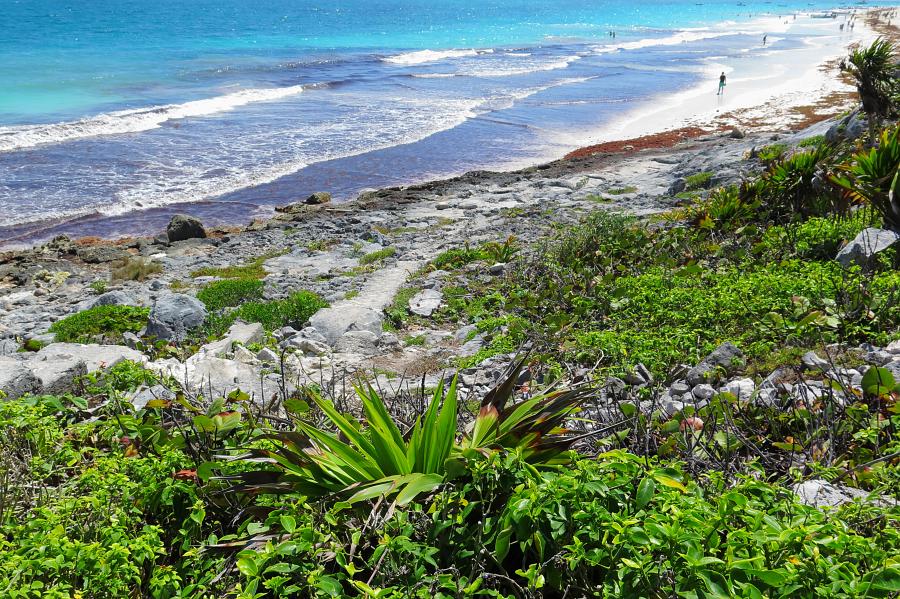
320 197
849 128
16 379
741 388
425 302
174 314
240 333
332 323
114 298
141 396
357 342
98 254
864 246
726 356
183 227
820 493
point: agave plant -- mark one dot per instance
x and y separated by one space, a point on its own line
873 176
364 460
873 68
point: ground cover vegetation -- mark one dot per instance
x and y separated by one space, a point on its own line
535 488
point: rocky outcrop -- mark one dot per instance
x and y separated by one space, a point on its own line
332 323
849 128
183 227
114 298
726 357
173 315
863 248
425 302
55 368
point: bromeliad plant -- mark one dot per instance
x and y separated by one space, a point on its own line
873 176
373 458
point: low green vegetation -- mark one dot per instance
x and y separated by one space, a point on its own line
250 270
230 292
617 191
294 311
771 153
697 181
377 256
812 142
104 323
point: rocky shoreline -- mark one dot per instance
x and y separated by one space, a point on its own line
320 247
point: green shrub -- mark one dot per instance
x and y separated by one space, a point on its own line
105 322
377 256
293 310
457 258
613 527
230 293
697 181
872 176
253 269
818 238
811 142
771 153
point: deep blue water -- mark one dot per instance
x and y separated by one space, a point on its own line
114 113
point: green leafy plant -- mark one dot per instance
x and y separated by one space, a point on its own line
230 292
377 256
872 176
376 459
105 322
874 69
697 181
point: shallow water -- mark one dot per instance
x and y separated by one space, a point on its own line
115 114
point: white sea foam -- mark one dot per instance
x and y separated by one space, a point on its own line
504 69
689 35
426 56
131 121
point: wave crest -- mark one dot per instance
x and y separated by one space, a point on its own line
135 120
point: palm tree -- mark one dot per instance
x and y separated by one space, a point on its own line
874 68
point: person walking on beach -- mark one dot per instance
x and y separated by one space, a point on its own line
721 84
765 37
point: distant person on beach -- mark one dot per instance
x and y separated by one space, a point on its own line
721 84
765 37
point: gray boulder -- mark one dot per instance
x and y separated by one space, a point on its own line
173 315
98 254
332 323
183 227
114 298
864 246
8 347
726 357
16 379
737 133
820 493
320 197
240 333
425 302
141 396
357 342
849 128
741 388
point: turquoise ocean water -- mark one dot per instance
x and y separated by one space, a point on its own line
116 113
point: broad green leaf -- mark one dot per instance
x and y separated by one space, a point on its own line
645 491
878 381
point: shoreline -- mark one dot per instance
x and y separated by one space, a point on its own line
759 117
